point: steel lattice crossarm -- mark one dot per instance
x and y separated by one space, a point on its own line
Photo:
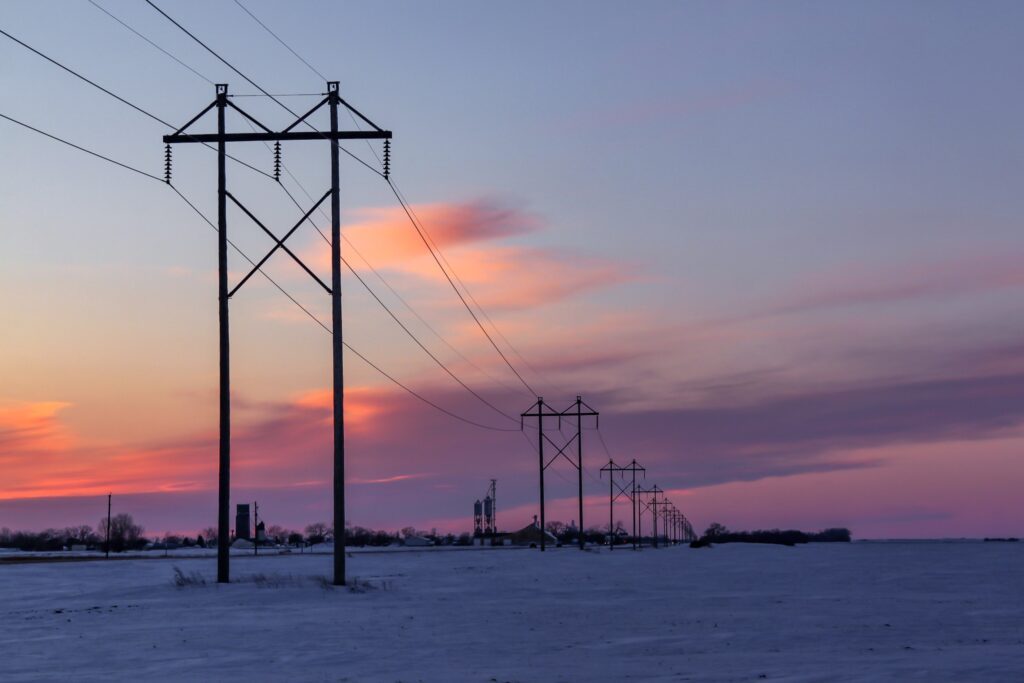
267 135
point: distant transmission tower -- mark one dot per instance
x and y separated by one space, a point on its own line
543 410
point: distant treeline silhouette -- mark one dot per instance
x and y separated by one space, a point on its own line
718 533
125 534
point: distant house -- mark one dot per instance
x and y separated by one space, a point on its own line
531 534
417 541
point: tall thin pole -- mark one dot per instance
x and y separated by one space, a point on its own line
639 521
611 512
224 488
654 516
109 496
540 453
339 375
633 504
255 528
579 456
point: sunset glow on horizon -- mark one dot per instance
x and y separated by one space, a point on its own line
786 272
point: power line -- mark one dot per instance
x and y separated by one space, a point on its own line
406 329
118 97
81 149
372 293
380 301
125 24
456 289
347 241
394 190
253 83
472 298
265 275
267 29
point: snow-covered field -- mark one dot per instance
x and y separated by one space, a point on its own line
862 611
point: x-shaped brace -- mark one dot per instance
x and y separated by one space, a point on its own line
561 451
279 243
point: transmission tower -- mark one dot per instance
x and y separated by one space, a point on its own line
651 504
543 410
333 100
618 489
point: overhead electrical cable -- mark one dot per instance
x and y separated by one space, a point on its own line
127 26
398 195
286 108
373 365
254 84
347 265
119 98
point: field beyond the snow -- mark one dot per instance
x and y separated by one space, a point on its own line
832 611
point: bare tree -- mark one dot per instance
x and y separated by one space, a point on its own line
316 532
557 528
124 532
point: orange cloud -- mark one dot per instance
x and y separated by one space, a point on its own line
33 428
386 237
466 233
42 457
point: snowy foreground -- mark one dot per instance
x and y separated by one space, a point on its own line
862 611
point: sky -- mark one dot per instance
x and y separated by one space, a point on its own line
773 244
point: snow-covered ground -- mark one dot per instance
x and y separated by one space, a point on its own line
861 611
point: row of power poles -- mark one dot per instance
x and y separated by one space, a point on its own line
675 527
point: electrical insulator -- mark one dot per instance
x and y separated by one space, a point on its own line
167 164
277 161
387 159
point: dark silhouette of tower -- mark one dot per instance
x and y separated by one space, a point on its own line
242 521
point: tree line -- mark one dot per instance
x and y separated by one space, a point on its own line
125 534
718 533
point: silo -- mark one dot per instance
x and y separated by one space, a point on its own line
478 517
488 515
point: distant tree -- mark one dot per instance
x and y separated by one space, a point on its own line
716 529
557 528
81 534
316 532
125 534
200 541
295 538
383 538
409 531
210 534
276 533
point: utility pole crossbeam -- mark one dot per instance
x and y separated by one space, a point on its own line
333 101
541 410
